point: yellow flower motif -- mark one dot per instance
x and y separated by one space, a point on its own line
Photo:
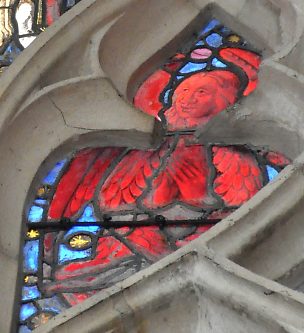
234 38
26 279
80 241
32 233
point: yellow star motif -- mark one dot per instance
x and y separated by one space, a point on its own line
41 192
234 38
80 241
30 279
32 233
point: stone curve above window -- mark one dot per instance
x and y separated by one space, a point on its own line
11 115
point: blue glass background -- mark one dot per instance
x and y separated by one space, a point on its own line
87 216
192 67
53 174
27 310
24 329
30 293
66 254
30 254
272 173
210 25
214 40
218 63
35 214
53 304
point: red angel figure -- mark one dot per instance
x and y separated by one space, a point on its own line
179 179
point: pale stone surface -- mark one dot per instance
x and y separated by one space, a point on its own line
72 88
93 104
190 291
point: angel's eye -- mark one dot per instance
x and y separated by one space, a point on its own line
80 241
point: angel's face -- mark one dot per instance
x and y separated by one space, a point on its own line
196 97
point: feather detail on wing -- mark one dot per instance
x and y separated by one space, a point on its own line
86 189
78 184
69 182
129 179
150 242
238 175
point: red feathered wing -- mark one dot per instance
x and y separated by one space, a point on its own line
130 178
238 175
78 184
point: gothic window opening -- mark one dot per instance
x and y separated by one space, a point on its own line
21 21
102 214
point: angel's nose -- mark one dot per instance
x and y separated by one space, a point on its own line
191 98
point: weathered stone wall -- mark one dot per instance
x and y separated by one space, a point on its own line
72 88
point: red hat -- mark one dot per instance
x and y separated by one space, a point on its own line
248 61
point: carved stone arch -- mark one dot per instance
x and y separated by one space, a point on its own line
68 88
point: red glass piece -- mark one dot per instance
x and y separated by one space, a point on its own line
70 181
164 191
245 170
52 11
116 192
86 188
122 230
200 97
277 159
150 242
148 94
128 180
179 56
239 176
183 179
76 298
248 61
175 62
48 244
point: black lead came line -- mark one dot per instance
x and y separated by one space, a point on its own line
107 223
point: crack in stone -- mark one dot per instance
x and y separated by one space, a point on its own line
63 117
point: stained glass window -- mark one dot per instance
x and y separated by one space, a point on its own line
102 214
21 21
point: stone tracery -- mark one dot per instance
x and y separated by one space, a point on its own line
210 181
274 71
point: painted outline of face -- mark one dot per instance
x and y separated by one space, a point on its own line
201 96
194 97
